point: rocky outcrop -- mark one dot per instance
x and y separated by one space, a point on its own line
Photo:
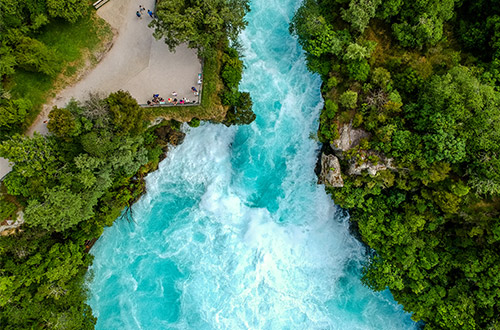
9 227
170 135
330 171
349 138
364 163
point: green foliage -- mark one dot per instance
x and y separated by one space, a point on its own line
328 130
349 99
360 12
34 50
389 8
42 283
358 70
126 114
70 10
422 22
331 108
7 209
316 36
195 122
240 103
7 60
357 52
241 113
201 24
232 69
382 78
62 123
61 209
13 112
33 55
332 82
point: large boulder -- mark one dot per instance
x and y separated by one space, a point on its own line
349 138
330 171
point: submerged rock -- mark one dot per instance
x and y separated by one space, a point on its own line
330 171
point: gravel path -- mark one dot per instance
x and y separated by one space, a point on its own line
136 63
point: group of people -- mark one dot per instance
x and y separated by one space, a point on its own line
142 10
158 100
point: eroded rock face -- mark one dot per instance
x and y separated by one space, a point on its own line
330 171
349 138
9 227
356 167
170 135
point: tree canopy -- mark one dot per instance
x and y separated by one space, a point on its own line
71 184
201 24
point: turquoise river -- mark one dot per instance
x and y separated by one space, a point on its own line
234 232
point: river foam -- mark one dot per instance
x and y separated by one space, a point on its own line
234 233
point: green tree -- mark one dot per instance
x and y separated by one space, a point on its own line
7 60
358 70
33 55
349 99
31 155
242 113
360 12
70 10
13 112
125 113
421 22
62 123
315 34
357 52
201 24
59 210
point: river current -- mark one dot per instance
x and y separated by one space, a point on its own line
234 232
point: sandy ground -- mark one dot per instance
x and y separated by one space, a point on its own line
136 63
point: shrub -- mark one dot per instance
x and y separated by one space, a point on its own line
358 70
195 122
348 99
382 78
332 82
331 108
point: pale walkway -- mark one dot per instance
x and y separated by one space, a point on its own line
136 63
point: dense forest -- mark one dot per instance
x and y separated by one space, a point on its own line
88 171
418 81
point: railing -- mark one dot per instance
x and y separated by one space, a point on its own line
99 3
190 104
169 105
